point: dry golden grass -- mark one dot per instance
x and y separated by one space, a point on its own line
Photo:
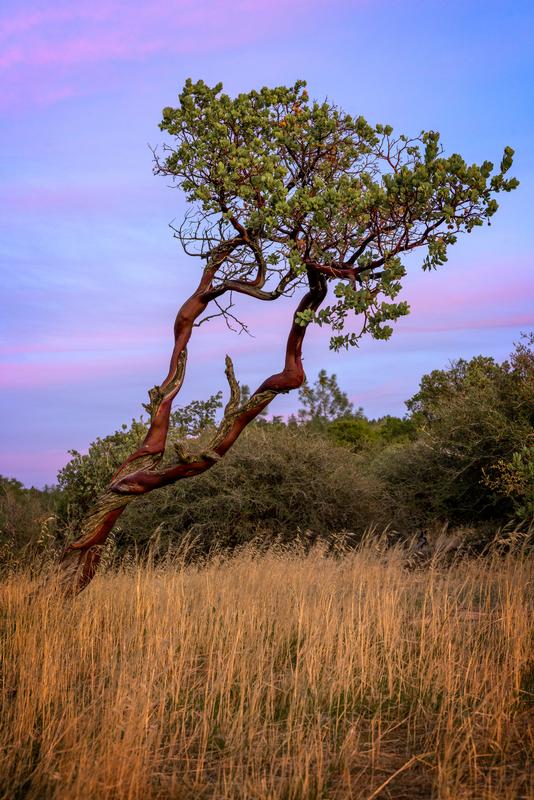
272 676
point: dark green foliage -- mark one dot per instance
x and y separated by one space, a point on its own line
357 432
471 417
275 482
514 479
326 408
354 432
394 429
27 520
192 419
324 401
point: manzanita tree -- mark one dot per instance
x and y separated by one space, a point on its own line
288 196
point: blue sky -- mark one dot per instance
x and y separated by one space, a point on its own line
91 277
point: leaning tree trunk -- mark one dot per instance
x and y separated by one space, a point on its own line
142 471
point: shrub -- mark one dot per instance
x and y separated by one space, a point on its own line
27 521
471 417
276 484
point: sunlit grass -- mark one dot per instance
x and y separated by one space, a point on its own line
272 676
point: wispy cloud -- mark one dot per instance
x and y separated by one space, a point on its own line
48 54
50 374
513 321
86 340
86 352
38 466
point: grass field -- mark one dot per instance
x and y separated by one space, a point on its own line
272 676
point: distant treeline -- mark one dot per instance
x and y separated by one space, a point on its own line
463 455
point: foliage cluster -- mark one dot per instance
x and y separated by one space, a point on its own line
475 423
27 521
281 186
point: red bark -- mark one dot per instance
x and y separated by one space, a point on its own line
80 559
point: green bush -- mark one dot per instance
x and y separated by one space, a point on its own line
514 479
358 433
471 417
27 522
273 483
276 483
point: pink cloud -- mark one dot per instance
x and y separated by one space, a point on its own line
27 20
84 341
46 373
83 357
47 52
481 286
39 465
524 321
25 197
88 353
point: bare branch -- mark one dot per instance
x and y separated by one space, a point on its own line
227 316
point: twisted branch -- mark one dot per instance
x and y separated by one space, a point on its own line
142 471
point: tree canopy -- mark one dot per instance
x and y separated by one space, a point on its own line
324 401
282 187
